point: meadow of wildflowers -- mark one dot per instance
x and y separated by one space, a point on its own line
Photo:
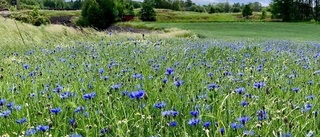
161 87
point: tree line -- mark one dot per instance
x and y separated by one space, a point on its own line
296 10
54 4
189 5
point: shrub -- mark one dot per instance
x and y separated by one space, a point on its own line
264 14
41 20
147 12
33 17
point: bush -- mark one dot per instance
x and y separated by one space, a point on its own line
264 14
33 17
147 12
41 20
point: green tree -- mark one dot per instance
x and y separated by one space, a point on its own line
99 14
247 11
212 10
147 13
264 14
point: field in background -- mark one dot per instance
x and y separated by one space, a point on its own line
165 15
243 30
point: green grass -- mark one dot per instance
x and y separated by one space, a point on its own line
244 30
165 15
57 13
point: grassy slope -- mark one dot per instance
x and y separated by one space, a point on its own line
240 30
32 35
58 34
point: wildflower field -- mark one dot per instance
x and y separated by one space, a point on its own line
123 86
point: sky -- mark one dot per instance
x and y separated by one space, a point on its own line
202 2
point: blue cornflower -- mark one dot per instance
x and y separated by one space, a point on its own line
137 94
194 121
90 86
244 103
42 128
80 109
262 115
2 102
101 70
295 90
173 123
236 126
10 105
137 76
17 107
222 131
210 74
106 78
160 105
21 121
240 90
259 85
310 134
72 121
55 110
169 71
75 135
194 113
170 113
212 86
207 124
285 134
31 132
89 95
105 130
116 86
248 132
5 113
243 120
311 97
310 82
65 95
164 80
178 83
125 93
26 66
307 107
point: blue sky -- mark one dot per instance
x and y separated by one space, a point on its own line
263 2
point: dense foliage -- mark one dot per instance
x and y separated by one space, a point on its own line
100 14
296 10
247 11
147 13
32 17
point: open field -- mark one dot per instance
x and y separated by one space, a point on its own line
243 30
244 79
